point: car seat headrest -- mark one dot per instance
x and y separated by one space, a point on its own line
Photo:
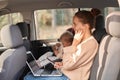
11 36
113 24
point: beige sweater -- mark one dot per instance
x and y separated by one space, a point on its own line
76 65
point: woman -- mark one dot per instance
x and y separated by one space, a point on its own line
78 58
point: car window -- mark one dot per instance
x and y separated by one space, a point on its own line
51 23
108 10
10 19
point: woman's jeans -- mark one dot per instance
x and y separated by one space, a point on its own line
31 77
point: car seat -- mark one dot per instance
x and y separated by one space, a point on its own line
13 60
107 62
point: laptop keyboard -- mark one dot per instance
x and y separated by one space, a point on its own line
46 72
39 71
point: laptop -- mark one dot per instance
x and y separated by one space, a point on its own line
38 71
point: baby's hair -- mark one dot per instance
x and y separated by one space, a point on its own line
68 35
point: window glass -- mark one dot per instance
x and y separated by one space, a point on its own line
16 17
10 19
3 21
111 9
50 24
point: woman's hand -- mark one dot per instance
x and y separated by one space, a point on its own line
58 65
77 38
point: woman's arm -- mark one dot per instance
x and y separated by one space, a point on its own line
82 56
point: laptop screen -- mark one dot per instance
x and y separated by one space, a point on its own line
32 64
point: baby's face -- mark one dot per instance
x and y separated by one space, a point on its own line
65 43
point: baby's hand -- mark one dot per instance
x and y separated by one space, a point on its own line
58 45
57 48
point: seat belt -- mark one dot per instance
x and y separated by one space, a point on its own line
104 57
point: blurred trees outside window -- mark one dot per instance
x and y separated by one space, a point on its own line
51 23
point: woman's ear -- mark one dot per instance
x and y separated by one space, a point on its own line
87 26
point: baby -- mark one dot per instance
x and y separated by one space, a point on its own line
65 40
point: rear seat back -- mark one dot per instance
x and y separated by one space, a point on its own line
107 61
100 31
25 31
